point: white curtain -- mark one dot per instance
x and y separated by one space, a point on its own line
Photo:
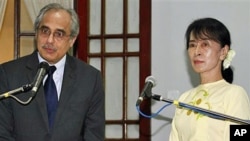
3 4
34 6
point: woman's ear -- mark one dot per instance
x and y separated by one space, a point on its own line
224 52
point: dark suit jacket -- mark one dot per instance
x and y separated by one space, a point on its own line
80 114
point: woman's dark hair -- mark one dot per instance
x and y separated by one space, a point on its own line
215 30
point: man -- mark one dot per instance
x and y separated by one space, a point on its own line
79 113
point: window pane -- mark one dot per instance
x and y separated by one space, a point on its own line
95 17
133 45
133 16
96 62
114 85
26 21
114 16
26 45
113 131
133 131
114 45
133 87
95 46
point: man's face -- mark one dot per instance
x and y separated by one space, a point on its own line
53 36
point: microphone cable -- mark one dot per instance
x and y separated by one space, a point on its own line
154 114
42 71
24 88
159 98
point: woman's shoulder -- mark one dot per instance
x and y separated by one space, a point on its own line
235 87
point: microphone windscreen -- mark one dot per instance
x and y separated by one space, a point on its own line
151 79
44 65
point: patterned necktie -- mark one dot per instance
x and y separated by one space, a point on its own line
51 95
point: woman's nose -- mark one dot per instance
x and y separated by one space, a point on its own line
198 49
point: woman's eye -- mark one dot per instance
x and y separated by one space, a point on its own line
204 44
192 45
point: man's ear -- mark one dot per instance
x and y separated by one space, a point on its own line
72 41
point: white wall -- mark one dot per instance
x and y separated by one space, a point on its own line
170 19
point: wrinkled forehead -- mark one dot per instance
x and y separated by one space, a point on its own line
56 19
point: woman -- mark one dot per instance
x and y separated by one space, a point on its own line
208 45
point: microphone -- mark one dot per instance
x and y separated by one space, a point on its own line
42 71
150 82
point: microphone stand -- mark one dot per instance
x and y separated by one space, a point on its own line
23 88
202 110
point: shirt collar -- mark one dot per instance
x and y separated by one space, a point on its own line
59 65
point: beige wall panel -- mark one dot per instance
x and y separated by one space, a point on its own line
7 34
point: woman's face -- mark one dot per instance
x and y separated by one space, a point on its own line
206 55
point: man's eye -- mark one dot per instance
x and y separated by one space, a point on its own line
59 34
45 30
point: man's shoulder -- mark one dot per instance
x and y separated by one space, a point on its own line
80 64
19 61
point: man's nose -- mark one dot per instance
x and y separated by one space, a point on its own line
50 38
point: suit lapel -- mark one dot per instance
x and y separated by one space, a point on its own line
39 98
67 86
